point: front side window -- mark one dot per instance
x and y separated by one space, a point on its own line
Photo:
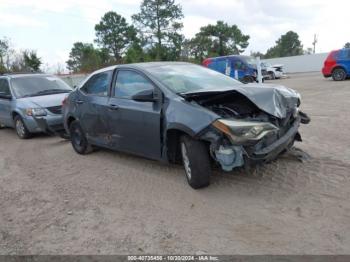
98 84
38 86
4 87
130 83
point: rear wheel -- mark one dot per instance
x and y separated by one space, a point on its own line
196 162
78 139
272 76
339 74
21 128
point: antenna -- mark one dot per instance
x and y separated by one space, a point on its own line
314 43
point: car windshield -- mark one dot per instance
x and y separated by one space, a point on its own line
187 78
38 86
250 60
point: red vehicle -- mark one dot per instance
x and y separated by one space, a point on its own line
337 65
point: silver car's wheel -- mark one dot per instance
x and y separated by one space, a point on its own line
21 129
186 161
272 76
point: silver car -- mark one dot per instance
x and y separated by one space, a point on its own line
31 103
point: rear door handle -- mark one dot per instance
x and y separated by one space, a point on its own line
79 102
113 107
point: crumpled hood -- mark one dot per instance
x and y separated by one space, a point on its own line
275 100
45 101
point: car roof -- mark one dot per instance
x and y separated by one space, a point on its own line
143 66
19 75
156 64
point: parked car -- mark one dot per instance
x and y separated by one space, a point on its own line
28 102
240 67
174 111
272 71
337 65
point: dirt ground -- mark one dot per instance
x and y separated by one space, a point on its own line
53 201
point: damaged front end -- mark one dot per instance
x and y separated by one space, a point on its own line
245 134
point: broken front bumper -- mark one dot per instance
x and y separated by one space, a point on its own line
51 127
265 150
271 151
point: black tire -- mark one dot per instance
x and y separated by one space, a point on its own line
21 129
196 162
272 76
248 79
339 74
78 139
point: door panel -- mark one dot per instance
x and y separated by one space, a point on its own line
347 61
5 104
134 126
92 118
5 112
344 59
92 106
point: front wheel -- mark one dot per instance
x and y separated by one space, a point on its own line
272 76
196 162
21 128
338 74
78 139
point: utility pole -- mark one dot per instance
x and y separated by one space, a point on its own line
314 43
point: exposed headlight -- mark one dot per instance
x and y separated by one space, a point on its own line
240 132
36 112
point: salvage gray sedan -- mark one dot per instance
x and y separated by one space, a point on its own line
183 112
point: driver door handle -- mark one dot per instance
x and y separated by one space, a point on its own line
113 107
79 102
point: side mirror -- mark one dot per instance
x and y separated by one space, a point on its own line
5 96
144 96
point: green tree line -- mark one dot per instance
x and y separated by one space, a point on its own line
155 35
12 61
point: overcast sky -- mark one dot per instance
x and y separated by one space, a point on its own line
51 27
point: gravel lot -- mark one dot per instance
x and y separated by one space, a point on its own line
53 201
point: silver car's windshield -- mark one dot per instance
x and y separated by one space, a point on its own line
186 78
38 85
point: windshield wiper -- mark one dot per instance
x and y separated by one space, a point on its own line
49 92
